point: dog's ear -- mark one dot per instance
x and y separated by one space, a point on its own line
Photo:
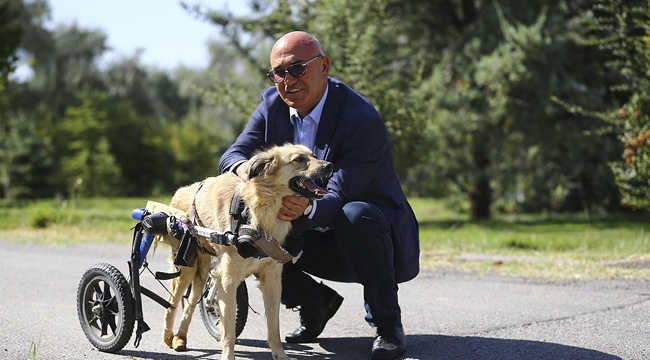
261 165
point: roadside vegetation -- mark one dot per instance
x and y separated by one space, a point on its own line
550 246
554 246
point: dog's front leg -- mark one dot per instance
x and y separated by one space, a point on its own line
228 307
271 287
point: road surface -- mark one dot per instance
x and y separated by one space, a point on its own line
446 315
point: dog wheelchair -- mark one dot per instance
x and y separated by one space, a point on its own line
109 305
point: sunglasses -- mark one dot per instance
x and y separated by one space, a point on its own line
296 70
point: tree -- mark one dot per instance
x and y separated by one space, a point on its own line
29 170
10 36
151 92
622 29
89 168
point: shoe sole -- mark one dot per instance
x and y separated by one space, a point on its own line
388 357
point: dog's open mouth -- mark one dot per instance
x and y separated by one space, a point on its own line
307 188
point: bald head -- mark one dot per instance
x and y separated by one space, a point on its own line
296 41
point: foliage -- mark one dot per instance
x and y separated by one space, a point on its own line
89 167
494 118
28 166
623 30
465 89
10 36
78 130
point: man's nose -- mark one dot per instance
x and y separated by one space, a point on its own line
289 79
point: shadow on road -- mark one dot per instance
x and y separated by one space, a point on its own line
421 347
433 347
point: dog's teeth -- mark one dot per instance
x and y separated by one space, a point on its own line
301 182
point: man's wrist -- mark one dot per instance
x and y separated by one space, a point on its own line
233 168
308 209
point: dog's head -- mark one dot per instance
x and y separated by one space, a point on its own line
294 166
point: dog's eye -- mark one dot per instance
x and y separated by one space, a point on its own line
299 159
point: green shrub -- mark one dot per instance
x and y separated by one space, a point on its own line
42 216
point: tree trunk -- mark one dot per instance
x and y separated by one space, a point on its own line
481 193
481 199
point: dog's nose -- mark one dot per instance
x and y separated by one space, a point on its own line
328 169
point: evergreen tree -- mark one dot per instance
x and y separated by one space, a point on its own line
29 169
89 168
622 29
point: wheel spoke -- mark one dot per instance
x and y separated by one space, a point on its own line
107 291
94 322
98 291
104 327
110 320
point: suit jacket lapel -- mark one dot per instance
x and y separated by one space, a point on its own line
283 126
328 121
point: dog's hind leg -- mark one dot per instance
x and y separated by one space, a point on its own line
271 288
202 267
176 292
170 312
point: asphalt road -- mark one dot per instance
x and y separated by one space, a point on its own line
446 315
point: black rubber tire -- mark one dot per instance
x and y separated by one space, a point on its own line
211 315
105 307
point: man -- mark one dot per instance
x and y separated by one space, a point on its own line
363 230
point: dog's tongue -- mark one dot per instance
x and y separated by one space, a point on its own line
312 187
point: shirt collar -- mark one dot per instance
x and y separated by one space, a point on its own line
316 113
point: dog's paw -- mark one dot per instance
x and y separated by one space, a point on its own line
179 343
282 356
168 337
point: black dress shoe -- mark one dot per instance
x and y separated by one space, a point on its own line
389 344
314 316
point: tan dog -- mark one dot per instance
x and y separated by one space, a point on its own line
279 171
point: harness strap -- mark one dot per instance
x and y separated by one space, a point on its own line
237 212
167 276
194 217
267 244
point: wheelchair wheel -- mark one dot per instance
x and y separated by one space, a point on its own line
209 308
105 307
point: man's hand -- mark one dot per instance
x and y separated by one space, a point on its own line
293 207
242 170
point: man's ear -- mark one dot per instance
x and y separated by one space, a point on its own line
260 165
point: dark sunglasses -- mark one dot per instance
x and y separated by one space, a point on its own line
296 70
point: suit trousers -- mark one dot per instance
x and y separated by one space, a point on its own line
358 249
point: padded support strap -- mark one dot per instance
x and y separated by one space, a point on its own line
266 244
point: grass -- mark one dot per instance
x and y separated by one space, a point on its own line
33 350
549 245
69 223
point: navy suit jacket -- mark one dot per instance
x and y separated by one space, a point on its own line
352 136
